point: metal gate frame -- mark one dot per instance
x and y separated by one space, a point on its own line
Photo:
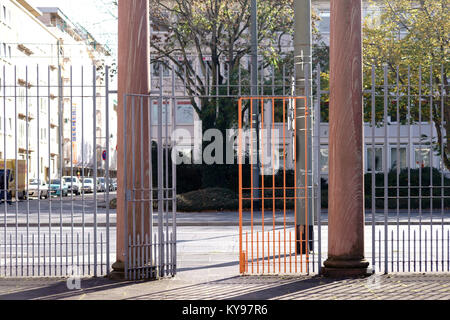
302 246
401 240
60 245
150 253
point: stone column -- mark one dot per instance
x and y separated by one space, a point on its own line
133 78
346 179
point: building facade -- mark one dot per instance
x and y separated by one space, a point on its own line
48 92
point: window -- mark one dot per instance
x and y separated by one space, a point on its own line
398 156
378 159
324 24
43 134
156 70
324 159
422 157
185 113
155 113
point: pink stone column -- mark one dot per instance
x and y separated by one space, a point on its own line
346 178
133 78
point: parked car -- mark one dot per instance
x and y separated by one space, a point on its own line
101 184
88 185
73 182
58 187
112 184
38 188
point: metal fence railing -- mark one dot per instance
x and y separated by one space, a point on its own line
55 187
407 184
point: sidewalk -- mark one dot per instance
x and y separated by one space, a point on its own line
184 287
208 269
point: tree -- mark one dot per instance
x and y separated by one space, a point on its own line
412 35
215 32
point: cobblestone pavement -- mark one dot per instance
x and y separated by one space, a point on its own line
378 287
208 270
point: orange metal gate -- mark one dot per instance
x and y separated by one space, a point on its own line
271 203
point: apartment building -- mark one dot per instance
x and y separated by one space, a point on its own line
47 64
79 53
28 61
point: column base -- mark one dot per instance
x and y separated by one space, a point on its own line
346 268
118 272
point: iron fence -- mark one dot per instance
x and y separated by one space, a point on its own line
407 185
55 187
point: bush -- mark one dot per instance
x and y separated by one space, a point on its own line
208 199
403 198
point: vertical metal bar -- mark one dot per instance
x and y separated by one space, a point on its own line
420 167
268 252
174 188
273 176
94 69
150 182
409 168
21 254
141 182
107 167
61 159
55 241
67 253
426 245
262 178
294 124
101 253
437 250
442 163
398 164
5 189
38 110
32 254
71 164
82 171
373 182
78 251
45 258
403 251
319 169
160 186
166 142
240 175
89 253
10 255
392 250
414 242
27 119
133 184
17 165
251 174
431 166
284 180
379 250
385 168
126 191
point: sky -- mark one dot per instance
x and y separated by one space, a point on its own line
99 17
